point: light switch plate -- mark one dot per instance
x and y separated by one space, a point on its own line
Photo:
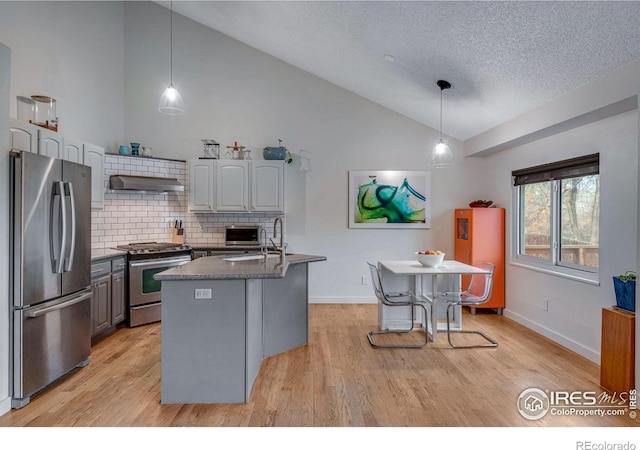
203 293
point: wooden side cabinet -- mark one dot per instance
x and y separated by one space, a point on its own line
617 354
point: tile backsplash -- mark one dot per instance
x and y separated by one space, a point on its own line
146 217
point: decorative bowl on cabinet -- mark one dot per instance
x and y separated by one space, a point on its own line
274 153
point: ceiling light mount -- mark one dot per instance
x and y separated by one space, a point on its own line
441 155
443 84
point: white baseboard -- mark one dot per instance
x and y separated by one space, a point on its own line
5 405
347 300
572 345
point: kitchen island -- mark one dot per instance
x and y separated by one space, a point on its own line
222 316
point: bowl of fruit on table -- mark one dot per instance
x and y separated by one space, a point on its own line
430 258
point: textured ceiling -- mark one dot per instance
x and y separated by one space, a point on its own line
502 58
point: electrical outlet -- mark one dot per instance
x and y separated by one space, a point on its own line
365 280
545 304
203 293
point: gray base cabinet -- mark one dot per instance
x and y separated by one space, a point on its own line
199 334
117 297
212 348
101 304
286 311
108 289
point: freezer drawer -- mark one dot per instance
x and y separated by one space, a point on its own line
49 340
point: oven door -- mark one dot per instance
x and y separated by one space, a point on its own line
143 289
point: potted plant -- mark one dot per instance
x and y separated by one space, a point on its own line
625 288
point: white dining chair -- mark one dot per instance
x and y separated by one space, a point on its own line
404 299
477 293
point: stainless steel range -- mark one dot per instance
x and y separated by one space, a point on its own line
145 260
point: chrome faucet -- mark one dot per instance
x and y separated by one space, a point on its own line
264 249
280 248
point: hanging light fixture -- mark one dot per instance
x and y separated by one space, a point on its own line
171 101
441 155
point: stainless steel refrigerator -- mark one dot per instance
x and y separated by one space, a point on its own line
50 271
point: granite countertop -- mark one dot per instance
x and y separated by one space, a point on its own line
106 253
216 268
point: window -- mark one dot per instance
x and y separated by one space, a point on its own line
557 217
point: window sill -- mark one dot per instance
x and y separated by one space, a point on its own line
563 272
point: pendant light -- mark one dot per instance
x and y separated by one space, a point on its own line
441 155
171 101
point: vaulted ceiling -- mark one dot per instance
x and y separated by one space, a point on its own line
502 58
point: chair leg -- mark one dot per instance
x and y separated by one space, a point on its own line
491 341
380 332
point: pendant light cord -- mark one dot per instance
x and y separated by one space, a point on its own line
441 113
171 51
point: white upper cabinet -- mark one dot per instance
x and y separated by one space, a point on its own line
236 186
201 187
23 136
28 137
93 157
50 143
232 186
267 186
73 151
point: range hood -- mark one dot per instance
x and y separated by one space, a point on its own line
140 183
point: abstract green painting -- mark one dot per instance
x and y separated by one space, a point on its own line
389 199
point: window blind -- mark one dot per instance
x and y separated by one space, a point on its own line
568 168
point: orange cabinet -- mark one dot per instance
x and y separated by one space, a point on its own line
479 236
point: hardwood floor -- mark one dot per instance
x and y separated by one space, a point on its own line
336 380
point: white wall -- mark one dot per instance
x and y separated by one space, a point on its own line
234 92
575 308
568 125
5 69
73 52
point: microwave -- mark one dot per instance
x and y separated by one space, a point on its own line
242 235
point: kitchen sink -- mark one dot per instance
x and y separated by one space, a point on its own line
250 257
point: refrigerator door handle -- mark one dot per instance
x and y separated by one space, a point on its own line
58 191
72 202
48 309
